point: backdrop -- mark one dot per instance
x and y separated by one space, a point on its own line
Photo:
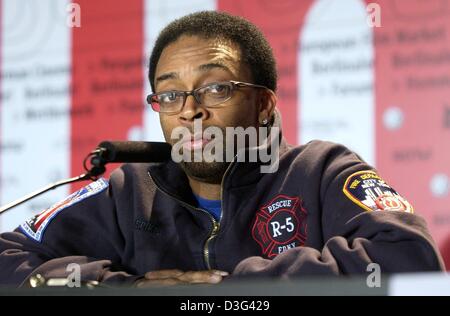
382 91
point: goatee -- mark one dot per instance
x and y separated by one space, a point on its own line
208 172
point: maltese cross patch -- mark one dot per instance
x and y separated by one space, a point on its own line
280 225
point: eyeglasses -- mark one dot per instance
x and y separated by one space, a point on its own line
210 95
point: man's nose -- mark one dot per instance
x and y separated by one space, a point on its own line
192 110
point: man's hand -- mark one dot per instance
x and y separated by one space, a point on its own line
175 277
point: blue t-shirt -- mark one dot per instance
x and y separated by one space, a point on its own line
214 207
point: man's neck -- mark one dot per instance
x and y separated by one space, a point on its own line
205 190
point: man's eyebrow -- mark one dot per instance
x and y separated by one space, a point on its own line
209 66
167 76
202 68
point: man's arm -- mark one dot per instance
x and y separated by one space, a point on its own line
397 242
19 261
81 230
356 234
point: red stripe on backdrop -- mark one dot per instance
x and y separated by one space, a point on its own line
107 52
412 107
281 23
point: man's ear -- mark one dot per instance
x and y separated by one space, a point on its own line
267 102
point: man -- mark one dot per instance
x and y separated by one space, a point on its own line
319 210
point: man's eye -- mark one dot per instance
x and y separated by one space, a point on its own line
168 97
218 89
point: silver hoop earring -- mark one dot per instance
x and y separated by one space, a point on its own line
265 121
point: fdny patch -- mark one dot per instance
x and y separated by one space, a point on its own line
35 227
369 191
280 225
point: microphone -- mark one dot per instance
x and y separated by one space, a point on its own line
106 152
134 151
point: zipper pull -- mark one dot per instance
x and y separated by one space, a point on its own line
215 227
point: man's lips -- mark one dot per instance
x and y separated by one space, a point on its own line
195 142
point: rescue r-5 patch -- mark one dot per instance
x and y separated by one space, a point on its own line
280 225
35 227
369 191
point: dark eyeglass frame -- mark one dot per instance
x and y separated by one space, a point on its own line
234 85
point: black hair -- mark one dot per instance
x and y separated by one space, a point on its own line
255 49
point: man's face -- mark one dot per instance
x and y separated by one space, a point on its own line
192 62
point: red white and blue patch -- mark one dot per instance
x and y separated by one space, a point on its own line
369 191
35 227
280 225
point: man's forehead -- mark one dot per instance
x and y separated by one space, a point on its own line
197 50
201 68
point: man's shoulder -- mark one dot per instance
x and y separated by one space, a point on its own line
317 150
130 175
135 170
318 158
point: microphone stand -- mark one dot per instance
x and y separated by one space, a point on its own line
93 173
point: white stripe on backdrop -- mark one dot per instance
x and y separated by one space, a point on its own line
336 77
35 125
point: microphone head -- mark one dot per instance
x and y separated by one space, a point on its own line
135 151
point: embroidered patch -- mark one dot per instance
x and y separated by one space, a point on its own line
369 191
280 225
35 227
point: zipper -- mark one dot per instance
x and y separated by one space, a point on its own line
213 234
215 224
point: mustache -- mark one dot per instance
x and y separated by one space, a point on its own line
190 133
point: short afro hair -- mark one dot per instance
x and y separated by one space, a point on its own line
255 49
